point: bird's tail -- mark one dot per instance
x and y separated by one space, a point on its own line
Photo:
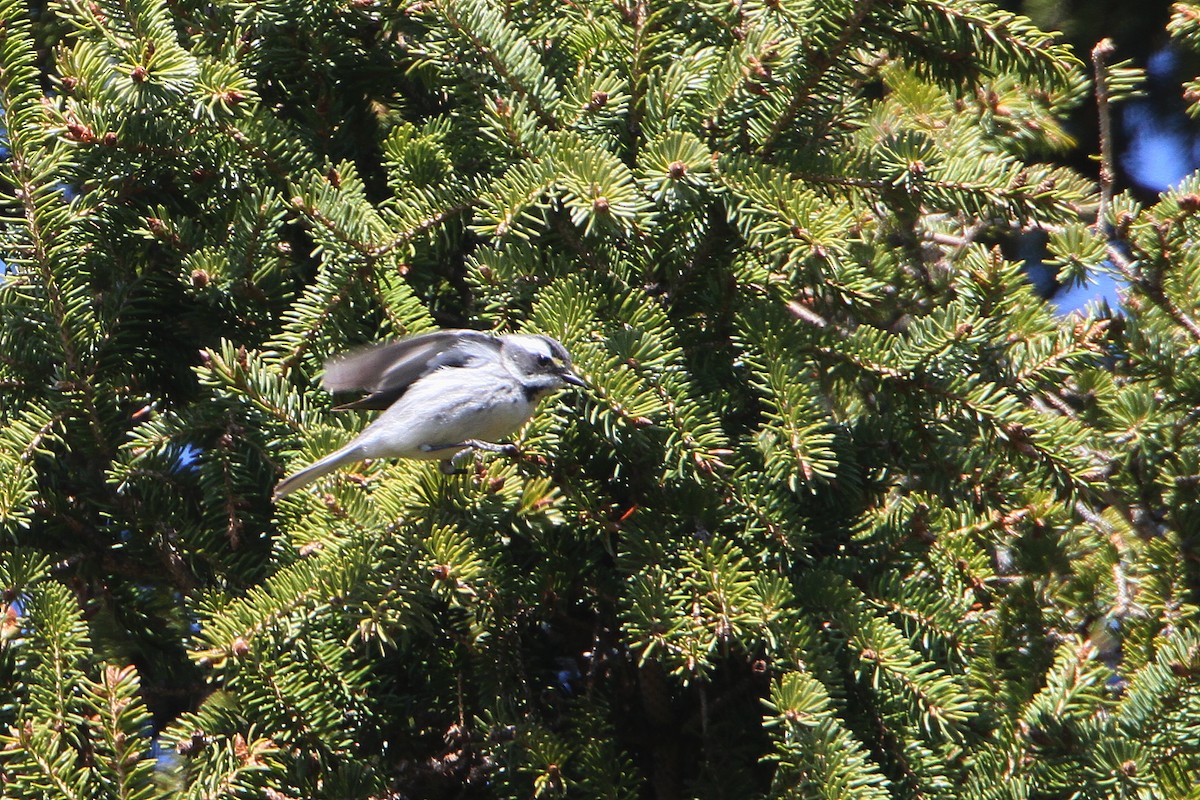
317 469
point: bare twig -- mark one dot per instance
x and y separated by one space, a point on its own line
1100 55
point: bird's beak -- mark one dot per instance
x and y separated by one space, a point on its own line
573 379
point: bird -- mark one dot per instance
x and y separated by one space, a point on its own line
443 395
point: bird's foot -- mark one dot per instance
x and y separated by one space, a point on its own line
446 465
449 466
506 448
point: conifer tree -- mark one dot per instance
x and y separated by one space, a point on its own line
845 511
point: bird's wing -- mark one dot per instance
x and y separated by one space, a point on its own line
387 370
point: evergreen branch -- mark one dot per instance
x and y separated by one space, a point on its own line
819 63
58 638
929 622
243 370
503 47
23 438
425 225
339 234
816 754
570 235
126 772
147 69
257 153
92 23
1153 289
311 312
260 231
1059 357
401 306
337 573
43 213
44 750
238 766
933 694
230 501
1018 427
993 35
326 204
776 529
291 715
637 14
798 435
726 79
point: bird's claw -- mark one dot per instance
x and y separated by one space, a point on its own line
446 467
506 448
449 466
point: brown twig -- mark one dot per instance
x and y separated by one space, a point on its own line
1100 55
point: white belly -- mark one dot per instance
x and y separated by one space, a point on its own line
443 410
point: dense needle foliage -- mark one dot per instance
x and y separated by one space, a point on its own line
846 511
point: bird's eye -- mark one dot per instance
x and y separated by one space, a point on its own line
544 360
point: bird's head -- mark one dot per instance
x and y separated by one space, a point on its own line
542 364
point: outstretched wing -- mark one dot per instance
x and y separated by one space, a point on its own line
386 371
